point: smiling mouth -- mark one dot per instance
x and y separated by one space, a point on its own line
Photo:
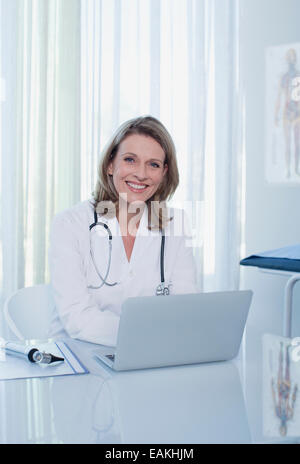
136 187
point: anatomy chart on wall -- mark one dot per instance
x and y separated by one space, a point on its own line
281 383
282 113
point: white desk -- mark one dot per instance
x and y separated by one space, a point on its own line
188 404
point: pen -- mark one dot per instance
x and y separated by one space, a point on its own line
29 353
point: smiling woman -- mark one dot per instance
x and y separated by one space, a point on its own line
125 242
138 175
138 164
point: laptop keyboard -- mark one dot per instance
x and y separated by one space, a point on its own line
110 356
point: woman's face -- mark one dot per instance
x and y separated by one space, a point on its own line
138 167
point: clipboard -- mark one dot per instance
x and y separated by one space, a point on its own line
12 368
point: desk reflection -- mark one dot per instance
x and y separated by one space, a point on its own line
189 404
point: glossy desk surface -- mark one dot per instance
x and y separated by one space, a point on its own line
227 402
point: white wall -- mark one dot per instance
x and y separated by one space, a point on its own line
272 210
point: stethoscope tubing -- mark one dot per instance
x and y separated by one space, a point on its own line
161 289
104 280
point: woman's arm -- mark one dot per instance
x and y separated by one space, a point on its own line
184 273
80 315
183 276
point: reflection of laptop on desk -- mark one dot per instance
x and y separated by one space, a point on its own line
178 329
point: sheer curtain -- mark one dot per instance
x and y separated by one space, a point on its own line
71 71
40 130
178 61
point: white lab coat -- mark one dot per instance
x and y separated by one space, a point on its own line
93 315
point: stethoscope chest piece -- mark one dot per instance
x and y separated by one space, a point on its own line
162 290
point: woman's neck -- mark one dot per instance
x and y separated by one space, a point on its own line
128 219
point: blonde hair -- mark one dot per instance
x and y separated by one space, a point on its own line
105 195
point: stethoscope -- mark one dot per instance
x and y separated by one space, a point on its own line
161 289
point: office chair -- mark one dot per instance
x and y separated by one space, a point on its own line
28 312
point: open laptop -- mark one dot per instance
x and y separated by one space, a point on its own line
178 329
